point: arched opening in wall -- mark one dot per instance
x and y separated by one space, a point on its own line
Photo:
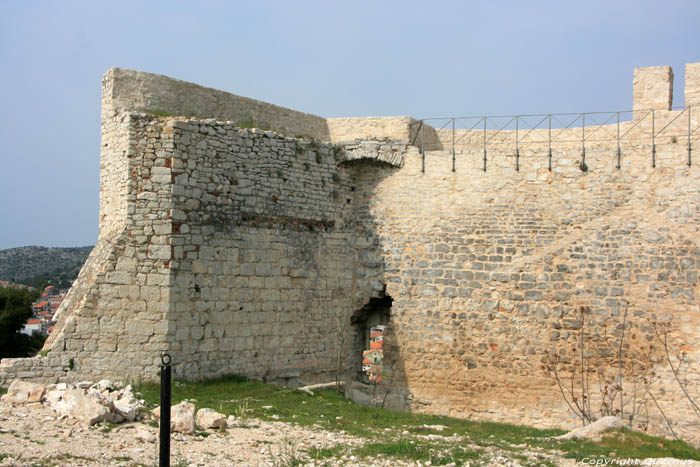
370 324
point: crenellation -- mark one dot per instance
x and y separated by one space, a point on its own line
259 253
653 89
692 85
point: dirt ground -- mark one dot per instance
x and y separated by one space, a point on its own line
34 435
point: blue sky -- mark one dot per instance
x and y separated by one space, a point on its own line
330 58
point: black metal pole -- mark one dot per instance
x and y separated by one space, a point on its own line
485 144
689 147
619 153
517 150
583 166
653 139
453 144
165 391
549 144
422 148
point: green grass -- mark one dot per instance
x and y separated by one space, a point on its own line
165 113
398 434
107 427
249 123
161 113
630 444
3 391
417 450
58 460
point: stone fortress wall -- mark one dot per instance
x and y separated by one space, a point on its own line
250 252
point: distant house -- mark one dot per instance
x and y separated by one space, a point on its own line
376 337
31 327
373 356
14 285
373 359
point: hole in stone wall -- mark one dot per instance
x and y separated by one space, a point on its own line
370 323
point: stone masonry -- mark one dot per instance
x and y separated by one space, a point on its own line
257 252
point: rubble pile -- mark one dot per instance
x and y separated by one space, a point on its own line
87 402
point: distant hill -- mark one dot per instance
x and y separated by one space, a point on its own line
38 265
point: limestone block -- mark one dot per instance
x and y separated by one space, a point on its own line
208 418
182 417
196 332
162 252
80 406
126 408
24 392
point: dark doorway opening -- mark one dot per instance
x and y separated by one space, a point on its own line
371 324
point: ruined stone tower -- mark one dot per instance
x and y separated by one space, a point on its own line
272 252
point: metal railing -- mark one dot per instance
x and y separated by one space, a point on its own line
546 130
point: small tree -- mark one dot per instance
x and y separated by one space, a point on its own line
604 375
15 309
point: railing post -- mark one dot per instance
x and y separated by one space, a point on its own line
422 146
618 142
517 151
653 140
453 144
484 144
689 146
165 393
583 166
549 143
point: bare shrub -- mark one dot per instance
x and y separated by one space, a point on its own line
606 373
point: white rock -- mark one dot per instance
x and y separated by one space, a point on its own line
593 429
146 436
23 392
125 409
114 417
81 407
208 418
102 398
104 384
182 417
54 395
